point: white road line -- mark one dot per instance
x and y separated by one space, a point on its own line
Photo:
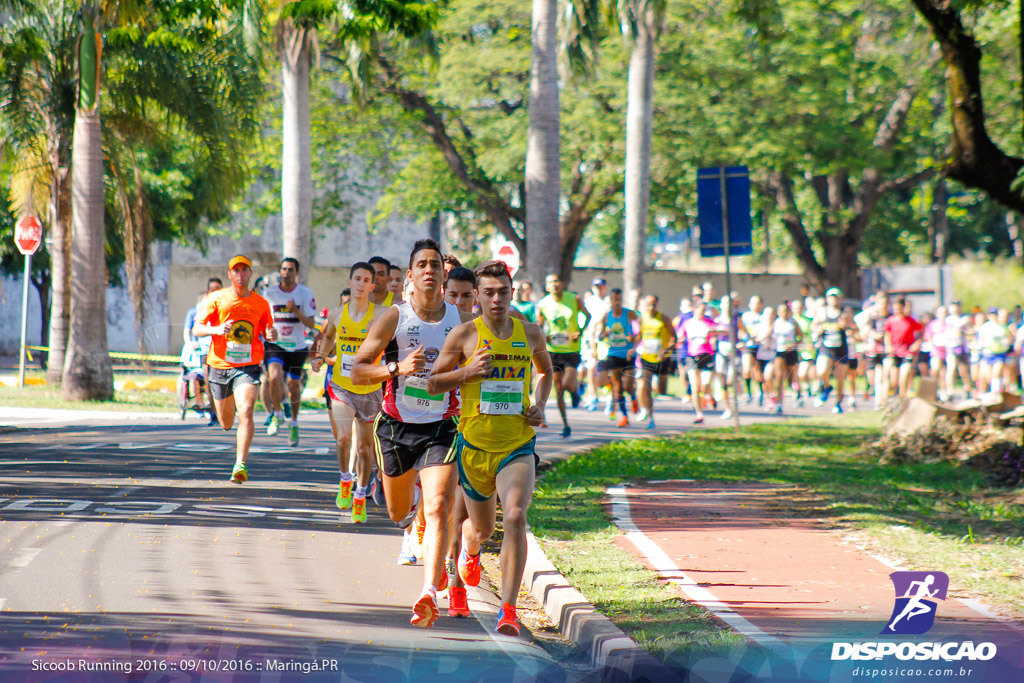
2 601
24 556
668 569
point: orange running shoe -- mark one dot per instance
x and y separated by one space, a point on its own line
469 568
458 602
623 421
424 611
507 623
359 510
344 498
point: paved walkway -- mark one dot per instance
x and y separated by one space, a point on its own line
784 579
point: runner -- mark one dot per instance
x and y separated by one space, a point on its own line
751 319
236 318
615 331
558 315
787 340
802 318
725 355
212 285
699 331
902 342
352 405
996 343
935 333
381 296
495 445
657 338
596 303
396 283
524 301
294 308
834 330
460 289
415 430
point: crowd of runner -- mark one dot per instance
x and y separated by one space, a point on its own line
437 376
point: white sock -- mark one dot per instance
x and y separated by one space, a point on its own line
346 476
360 492
295 423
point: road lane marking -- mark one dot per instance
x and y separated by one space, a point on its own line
668 569
24 556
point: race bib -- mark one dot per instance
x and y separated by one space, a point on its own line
416 397
618 338
286 344
501 398
652 347
559 339
347 361
238 353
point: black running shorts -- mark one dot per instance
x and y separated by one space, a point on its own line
402 446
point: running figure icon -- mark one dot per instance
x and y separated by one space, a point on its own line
917 595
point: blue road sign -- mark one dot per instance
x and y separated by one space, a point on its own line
735 181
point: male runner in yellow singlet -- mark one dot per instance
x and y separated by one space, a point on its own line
358 404
495 445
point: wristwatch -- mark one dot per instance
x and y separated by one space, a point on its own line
393 368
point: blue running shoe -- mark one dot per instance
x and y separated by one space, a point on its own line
566 432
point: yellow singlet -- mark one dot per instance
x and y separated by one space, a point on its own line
654 337
494 407
351 334
389 299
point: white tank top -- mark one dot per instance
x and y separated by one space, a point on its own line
407 398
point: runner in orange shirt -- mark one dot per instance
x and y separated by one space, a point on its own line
236 318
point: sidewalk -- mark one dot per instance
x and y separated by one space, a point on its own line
784 579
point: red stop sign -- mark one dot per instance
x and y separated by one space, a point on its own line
510 255
28 234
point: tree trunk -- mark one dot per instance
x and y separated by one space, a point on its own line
296 161
939 223
639 118
60 278
87 370
976 161
543 151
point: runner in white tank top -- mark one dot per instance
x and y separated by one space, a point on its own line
416 430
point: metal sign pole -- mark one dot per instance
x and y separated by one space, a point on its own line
24 322
732 314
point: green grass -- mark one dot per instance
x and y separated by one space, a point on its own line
937 516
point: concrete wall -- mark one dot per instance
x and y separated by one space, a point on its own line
121 335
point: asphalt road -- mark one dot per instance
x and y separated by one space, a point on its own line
126 550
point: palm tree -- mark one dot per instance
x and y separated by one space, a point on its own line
543 152
295 47
640 22
36 119
87 371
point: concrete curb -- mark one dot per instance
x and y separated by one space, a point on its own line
614 654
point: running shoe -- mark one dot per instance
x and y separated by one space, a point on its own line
458 602
750 399
344 498
727 415
650 424
838 409
566 432
799 401
698 420
270 416
213 421
358 510
287 409
825 393
778 409
293 436
635 405
608 408
407 520
623 421
424 611
469 568
274 426
240 474
508 625
377 490
591 405
643 415
405 555
574 398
